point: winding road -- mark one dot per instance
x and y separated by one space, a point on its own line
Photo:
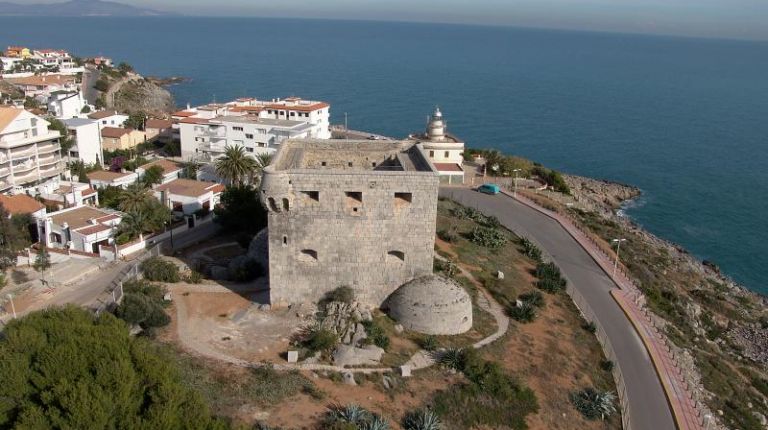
648 405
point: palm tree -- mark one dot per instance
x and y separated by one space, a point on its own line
263 160
133 224
134 198
235 166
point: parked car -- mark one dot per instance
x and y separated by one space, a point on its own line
489 189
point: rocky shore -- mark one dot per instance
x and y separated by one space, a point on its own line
720 328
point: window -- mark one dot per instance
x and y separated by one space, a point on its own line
285 240
431 154
447 154
353 202
272 204
403 198
293 113
395 257
349 164
249 149
323 163
177 206
311 195
308 256
286 205
248 136
237 128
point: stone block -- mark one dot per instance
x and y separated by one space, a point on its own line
405 371
293 356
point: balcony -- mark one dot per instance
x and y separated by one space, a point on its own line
215 132
26 177
24 152
49 159
50 171
46 148
4 171
25 166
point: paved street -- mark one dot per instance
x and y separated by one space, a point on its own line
648 405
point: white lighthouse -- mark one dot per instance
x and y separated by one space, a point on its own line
444 150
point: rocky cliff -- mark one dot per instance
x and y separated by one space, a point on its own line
140 95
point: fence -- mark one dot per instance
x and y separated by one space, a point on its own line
113 294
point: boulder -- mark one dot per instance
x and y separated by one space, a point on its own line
346 355
293 356
349 378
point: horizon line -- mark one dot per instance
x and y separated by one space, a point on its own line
165 14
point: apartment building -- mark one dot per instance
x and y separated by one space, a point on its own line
29 151
114 138
66 104
259 126
87 145
43 85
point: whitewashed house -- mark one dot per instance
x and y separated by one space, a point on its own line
187 196
87 145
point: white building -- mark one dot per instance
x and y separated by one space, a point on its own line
187 196
171 169
109 118
104 178
87 145
66 104
445 151
66 194
43 85
29 151
258 126
83 228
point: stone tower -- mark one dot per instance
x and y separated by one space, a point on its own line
348 213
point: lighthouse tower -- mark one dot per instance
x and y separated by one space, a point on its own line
444 150
436 127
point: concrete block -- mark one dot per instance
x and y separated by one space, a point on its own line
293 356
405 371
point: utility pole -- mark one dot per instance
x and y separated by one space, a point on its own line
515 182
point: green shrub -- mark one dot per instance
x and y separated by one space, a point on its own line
448 235
606 365
159 270
492 398
530 250
761 385
523 313
590 327
452 358
448 268
142 305
488 237
353 417
534 298
550 278
376 335
421 419
593 404
429 343
344 294
320 339
194 277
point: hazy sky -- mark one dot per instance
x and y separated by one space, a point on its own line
746 19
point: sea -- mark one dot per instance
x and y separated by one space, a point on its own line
684 119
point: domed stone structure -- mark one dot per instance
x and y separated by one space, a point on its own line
431 304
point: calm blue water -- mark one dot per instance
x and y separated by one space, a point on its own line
684 119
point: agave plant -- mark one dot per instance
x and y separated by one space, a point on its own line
375 422
524 312
534 298
351 413
421 419
452 358
594 404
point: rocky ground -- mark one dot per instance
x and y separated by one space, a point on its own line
141 95
719 327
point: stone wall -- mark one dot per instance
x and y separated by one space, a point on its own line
371 230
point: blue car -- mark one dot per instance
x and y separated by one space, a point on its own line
489 189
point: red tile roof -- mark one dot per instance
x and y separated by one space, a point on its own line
20 204
168 166
114 132
103 114
448 167
184 113
194 121
158 123
104 175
